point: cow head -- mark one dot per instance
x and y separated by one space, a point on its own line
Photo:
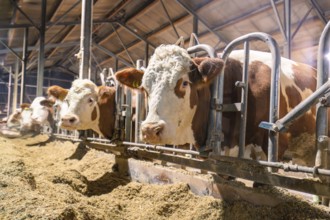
39 114
56 95
177 87
15 119
82 111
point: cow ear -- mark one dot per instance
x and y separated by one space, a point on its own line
25 105
208 69
47 103
130 77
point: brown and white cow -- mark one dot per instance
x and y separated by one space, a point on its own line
178 89
89 107
30 118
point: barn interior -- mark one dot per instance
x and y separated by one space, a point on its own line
53 42
39 39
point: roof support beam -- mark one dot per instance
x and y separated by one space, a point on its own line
287 13
11 50
24 14
301 22
222 38
108 52
64 14
169 18
122 43
135 34
245 16
319 11
278 19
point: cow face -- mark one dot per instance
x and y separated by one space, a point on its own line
80 109
173 82
36 116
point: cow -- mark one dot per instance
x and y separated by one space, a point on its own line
179 95
89 107
30 118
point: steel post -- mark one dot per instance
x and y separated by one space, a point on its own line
9 91
41 55
287 10
14 102
24 62
85 40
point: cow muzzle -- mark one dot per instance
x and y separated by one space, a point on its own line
69 121
151 132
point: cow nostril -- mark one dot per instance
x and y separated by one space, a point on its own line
72 120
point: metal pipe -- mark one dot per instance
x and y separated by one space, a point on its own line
287 8
9 91
14 102
301 23
24 62
278 19
41 55
322 158
108 52
85 40
301 108
140 105
244 99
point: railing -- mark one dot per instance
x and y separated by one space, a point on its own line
125 142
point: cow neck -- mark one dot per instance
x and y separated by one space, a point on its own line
106 122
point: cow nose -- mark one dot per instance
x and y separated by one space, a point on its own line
151 132
69 119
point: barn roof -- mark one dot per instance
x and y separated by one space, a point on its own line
123 28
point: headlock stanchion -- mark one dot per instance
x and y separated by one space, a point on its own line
216 128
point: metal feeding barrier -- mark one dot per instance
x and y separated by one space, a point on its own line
127 143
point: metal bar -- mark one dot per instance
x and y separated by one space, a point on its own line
85 39
136 35
9 92
241 170
108 52
14 102
41 55
64 14
222 38
24 14
24 62
244 99
278 19
48 46
322 158
301 108
287 9
146 58
123 45
319 11
11 50
195 25
169 18
140 104
161 148
66 23
301 23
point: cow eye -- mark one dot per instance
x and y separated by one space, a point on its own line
90 100
185 83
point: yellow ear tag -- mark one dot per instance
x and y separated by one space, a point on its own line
136 84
